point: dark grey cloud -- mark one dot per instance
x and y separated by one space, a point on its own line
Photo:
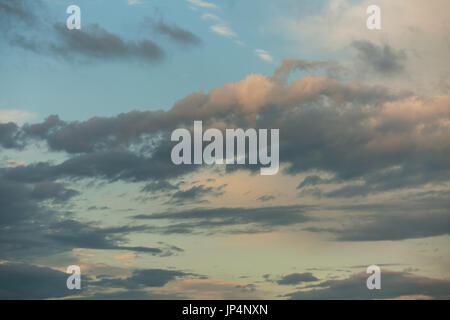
43 130
93 208
53 190
314 136
193 193
314 180
18 203
261 219
101 133
381 59
112 166
417 215
12 12
358 134
159 186
407 176
143 278
20 24
177 34
9 135
22 19
196 193
74 234
393 285
266 197
93 41
23 281
134 295
297 278
391 227
41 238
30 228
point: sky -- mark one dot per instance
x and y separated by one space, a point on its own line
86 176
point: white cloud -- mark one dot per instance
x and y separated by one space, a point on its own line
210 16
264 55
17 116
223 30
419 28
202 4
134 2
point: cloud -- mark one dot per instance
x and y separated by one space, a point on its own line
9 135
210 16
264 55
20 11
95 42
176 33
52 190
90 42
351 131
206 289
195 193
267 197
232 220
17 203
202 4
74 234
13 164
22 281
133 295
111 166
134 2
297 278
409 216
417 30
370 139
223 30
383 60
159 186
30 228
288 66
314 180
143 278
16 116
393 226
393 285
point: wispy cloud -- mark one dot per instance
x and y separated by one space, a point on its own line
133 2
202 4
17 116
264 55
175 33
210 16
223 30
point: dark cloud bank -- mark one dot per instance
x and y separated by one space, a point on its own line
23 281
370 139
393 285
